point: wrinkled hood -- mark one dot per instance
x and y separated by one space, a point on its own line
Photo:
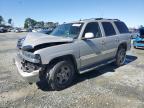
34 39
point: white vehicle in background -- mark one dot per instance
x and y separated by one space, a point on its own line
16 30
43 30
24 30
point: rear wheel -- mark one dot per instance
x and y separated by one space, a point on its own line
120 56
61 75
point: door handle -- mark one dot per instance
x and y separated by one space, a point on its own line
117 40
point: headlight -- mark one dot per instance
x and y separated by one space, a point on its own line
34 58
20 42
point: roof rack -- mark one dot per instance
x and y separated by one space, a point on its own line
89 19
100 19
114 19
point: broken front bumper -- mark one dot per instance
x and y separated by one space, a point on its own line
30 77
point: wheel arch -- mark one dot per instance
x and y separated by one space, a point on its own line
123 45
68 57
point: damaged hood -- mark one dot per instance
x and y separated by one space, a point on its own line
34 39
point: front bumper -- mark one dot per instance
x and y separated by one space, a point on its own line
30 77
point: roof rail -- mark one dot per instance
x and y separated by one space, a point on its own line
114 19
117 19
93 19
99 19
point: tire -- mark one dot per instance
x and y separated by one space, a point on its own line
135 47
120 56
61 75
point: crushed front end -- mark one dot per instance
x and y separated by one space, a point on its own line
29 66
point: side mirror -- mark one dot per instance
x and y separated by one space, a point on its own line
88 35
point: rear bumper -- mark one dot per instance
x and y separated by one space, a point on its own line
31 77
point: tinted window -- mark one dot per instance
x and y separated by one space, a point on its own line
108 28
121 27
93 27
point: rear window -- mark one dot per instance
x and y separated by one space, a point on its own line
121 27
108 28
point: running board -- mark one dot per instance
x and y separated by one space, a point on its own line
95 66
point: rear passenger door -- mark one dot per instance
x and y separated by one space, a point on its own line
111 40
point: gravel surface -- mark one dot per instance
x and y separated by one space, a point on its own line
106 87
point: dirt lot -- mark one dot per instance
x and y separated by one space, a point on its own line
107 87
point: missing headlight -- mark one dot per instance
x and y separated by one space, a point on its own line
34 58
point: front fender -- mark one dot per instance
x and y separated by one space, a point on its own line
47 58
49 53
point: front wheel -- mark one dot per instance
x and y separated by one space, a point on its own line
61 75
120 56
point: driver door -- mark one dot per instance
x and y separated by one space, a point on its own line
91 49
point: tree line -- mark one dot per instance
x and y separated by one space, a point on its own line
30 23
2 21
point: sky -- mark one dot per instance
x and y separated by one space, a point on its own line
129 11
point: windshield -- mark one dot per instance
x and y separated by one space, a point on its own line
71 30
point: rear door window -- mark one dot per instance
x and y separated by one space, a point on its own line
108 29
121 27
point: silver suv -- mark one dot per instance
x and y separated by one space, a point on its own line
72 48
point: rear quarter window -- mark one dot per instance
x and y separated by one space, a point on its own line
122 28
108 29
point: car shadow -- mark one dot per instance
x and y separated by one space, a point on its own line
42 85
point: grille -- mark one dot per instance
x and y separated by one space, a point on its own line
29 67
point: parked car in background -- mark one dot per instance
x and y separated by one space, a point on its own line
2 30
17 30
24 30
135 35
138 42
10 29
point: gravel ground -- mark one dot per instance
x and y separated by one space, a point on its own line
107 87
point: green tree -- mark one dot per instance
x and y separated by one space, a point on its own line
40 24
51 24
10 21
29 23
1 20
